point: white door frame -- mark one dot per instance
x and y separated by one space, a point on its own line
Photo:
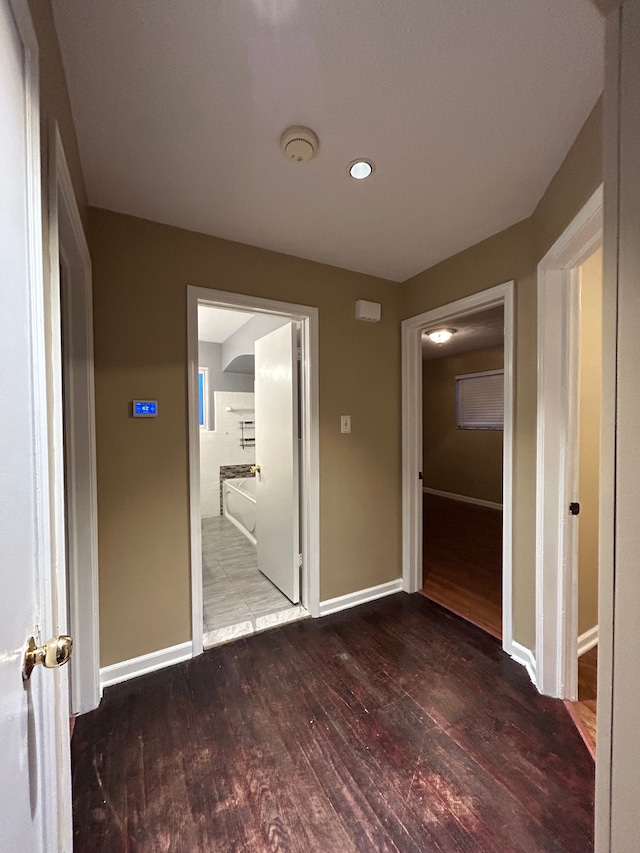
501 294
67 245
557 451
310 460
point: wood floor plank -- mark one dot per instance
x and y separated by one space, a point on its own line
588 674
393 727
545 798
584 711
462 565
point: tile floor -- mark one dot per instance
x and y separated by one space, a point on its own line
238 599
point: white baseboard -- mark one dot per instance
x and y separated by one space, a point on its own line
463 498
127 669
524 656
587 640
352 599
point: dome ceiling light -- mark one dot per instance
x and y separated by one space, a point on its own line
440 336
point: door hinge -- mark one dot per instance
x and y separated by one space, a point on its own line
420 477
574 508
299 561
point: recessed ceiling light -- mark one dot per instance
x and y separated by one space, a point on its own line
440 336
361 169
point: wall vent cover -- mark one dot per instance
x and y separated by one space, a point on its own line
370 312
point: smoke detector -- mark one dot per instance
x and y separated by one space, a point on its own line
299 144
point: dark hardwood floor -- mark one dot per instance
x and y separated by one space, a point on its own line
395 726
463 560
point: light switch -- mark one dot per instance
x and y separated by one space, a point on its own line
345 423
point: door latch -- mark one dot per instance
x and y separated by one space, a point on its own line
574 508
54 653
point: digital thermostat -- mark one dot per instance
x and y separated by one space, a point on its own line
145 408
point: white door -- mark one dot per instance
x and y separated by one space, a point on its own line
34 780
277 501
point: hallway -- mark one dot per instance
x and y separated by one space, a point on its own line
393 727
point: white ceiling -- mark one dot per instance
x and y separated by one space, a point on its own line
467 108
474 331
215 325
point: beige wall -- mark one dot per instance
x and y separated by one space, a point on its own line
462 461
590 416
141 271
55 106
514 254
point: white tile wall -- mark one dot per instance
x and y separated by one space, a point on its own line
222 446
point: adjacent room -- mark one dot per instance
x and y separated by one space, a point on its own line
245 506
463 421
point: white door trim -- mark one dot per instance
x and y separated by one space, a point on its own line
557 449
501 294
310 461
68 245
51 765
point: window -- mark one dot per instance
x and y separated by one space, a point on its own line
203 397
480 400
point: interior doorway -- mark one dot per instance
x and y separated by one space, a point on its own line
568 489
253 464
424 526
248 387
463 423
588 491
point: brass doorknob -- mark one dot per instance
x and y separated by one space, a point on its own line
54 653
255 469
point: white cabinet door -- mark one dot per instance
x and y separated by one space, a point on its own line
277 501
31 789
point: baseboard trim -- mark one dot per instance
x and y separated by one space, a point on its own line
127 669
587 640
524 656
462 498
352 599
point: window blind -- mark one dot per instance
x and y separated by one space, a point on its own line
480 400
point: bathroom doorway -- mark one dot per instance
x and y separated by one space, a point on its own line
251 442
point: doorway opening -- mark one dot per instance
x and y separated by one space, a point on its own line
588 492
463 423
433 512
253 464
568 489
245 417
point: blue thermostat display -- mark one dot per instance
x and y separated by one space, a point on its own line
145 408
